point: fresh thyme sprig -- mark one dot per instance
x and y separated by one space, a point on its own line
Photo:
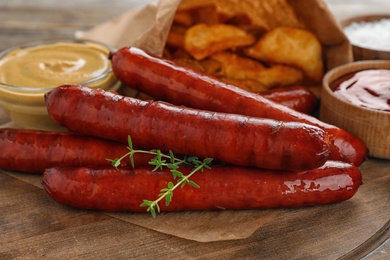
169 161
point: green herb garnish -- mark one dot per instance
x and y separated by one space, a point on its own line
169 161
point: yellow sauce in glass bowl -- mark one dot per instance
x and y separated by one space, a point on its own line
30 70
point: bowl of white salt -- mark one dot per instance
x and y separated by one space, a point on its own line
369 36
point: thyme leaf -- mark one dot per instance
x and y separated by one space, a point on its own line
169 161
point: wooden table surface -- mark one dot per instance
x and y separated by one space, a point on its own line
32 226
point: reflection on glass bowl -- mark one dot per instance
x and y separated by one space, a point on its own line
31 69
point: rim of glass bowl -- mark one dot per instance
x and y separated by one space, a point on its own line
49 41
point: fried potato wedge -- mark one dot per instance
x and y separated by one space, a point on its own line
247 84
194 13
203 40
181 53
175 40
211 66
291 46
238 67
189 63
183 18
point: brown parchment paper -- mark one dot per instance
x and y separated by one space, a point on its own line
147 28
201 226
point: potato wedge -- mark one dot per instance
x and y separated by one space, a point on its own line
194 13
203 40
246 84
210 66
183 18
175 40
291 46
237 67
189 63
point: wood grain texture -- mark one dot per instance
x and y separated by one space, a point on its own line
32 226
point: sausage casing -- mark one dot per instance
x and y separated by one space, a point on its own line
298 98
230 138
125 189
164 80
33 151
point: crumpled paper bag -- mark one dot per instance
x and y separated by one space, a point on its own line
145 27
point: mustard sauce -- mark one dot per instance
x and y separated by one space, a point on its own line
51 65
28 72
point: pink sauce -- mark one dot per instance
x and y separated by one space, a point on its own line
367 88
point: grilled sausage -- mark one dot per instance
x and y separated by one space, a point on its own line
230 138
125 189
298 98
166 81
33 151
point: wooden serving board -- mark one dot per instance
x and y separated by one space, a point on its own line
32 224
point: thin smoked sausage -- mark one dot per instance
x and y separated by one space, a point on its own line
164 80
230 138
125 189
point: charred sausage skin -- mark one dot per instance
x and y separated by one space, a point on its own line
164 80
230 138
33 150
298 98
108 189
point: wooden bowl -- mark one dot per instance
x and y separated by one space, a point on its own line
361 51
370 125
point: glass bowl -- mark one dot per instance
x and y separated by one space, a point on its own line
23 103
